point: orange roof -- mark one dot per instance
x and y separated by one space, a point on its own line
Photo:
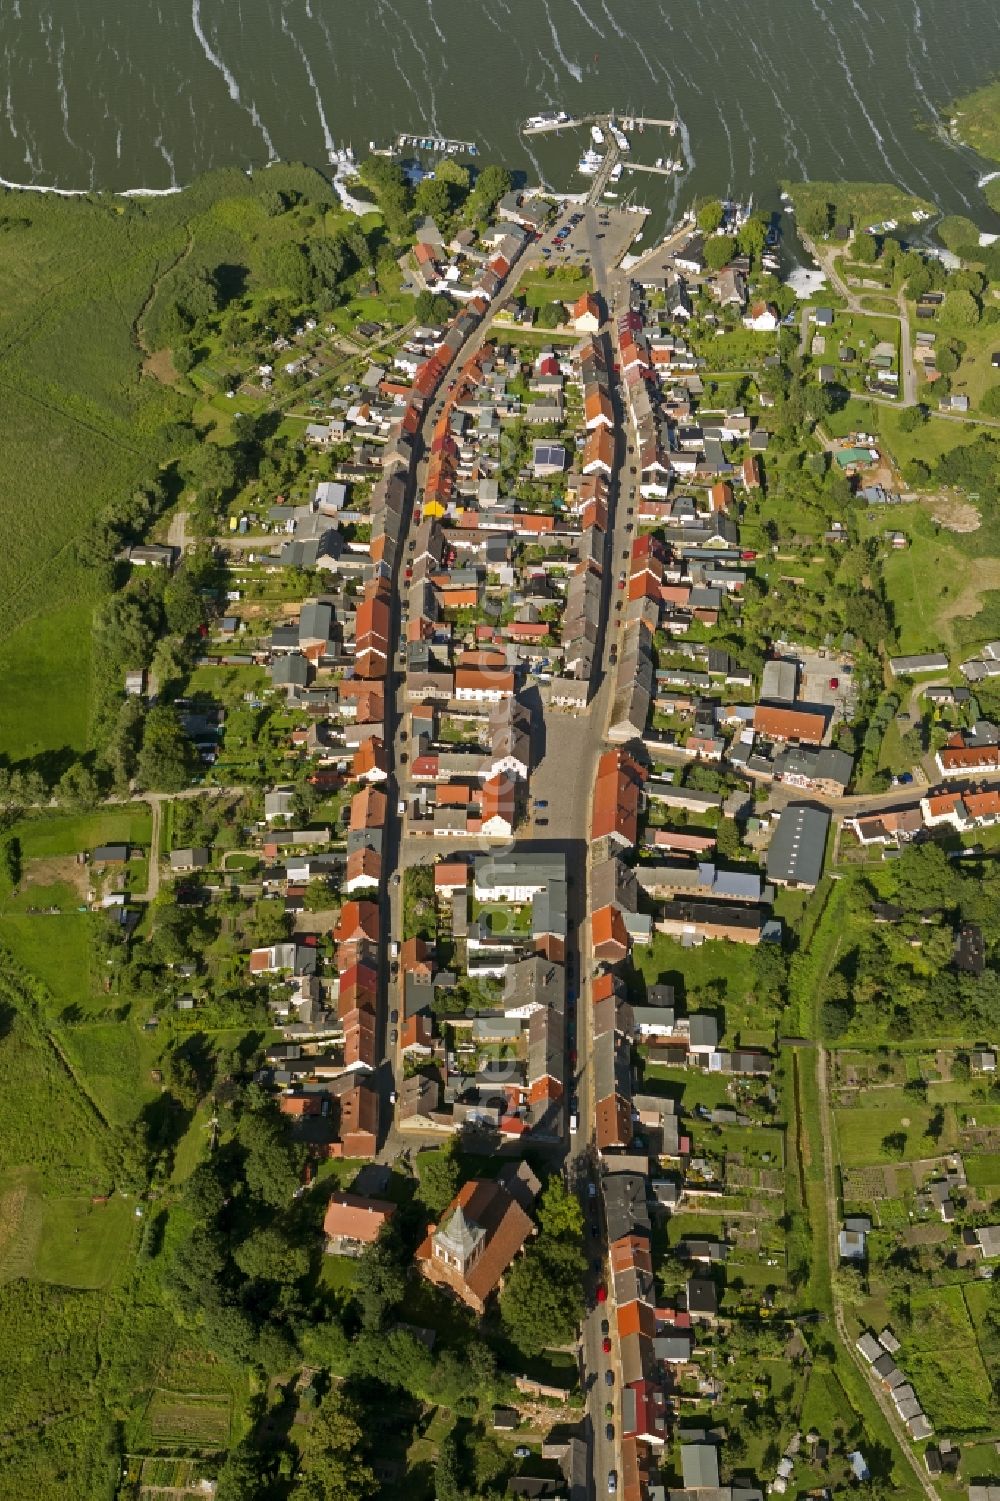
587 304
475 677
614 1123
599 448
368 809
962 758
789 724
609 929
416 1032
300 1104
451 873
357 920
364 862
486 1204
371 755
498 798
616 798
636 1318
597 407
355 1217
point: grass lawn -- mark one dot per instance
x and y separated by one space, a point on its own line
67 833
921 581
59 951
861 1129
82 1244
928 442
941 1356
691 970
983 1170
45 668
115 1058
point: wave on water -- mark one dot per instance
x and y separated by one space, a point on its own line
38 187
328 140
234 88
573 69
592 24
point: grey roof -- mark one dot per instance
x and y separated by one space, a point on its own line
704 1030
700 1466
626 1205
795 854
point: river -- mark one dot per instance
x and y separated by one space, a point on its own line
103 94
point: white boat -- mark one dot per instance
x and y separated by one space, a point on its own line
610 195
677 166
620 138
541 122
589 163
597 135
616 172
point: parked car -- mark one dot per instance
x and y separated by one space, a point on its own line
606 1346
605 1327
612 1482
609 1433
609 1378
602 1293
522 1452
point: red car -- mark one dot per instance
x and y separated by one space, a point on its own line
834 682
606 1347
602 1293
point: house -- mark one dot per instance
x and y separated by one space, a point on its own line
702 1299
352 1221
700 1466
190 859
110 854
763 318
907 667
547 459
807 726
585 315
480 1233
795 854
987 1239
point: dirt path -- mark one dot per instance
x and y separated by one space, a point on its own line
137 329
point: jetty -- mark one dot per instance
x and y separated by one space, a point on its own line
609 119
667 171
420 142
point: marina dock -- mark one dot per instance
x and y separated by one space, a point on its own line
667 171
437 143
626 122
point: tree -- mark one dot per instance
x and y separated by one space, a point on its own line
243 1477
271 1166
268 1256
433 197
551 315
710 216
455 175
910 418
542 1300
78 787
559 1211
439 1172
719 251
167 760
961 309
816 217
333 1468
380 1279
491 184
752 238
894 1144
865 247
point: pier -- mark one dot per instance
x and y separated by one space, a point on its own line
624 122
667 171
437 143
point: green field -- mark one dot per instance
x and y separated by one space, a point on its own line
941 1357
68 834
862 1128
53 650
978 117
983 1170
863 203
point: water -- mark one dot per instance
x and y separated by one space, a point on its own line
150 93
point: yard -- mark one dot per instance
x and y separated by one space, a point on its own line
941 1357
